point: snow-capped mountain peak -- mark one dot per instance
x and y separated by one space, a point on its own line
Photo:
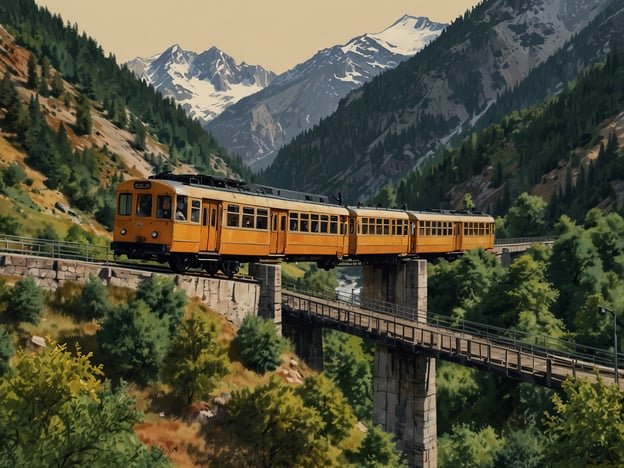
252 112
203 84
408 35
257 126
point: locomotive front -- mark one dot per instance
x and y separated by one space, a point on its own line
144 219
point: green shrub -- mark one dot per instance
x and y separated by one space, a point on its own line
26 301
259 344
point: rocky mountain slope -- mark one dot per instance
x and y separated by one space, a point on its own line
407 114
257 126
123 157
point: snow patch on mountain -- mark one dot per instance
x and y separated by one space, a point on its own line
203 84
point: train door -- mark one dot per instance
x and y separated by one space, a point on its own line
210 224
458 236
278 232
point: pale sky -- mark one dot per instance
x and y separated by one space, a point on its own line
276 34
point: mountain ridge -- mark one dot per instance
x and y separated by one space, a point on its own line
414 110
254 120
202 83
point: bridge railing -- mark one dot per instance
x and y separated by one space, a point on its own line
55 249
525 240
535 344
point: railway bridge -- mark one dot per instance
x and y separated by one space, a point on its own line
392 311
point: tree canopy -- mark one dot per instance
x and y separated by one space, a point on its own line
586 426
57 412
196 359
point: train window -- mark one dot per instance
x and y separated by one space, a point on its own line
364 225
213 217
262 220
294 221
305 224
439 228
144 205
232 215
163 207
343 227
421 228
314 223
282 223
386 228
181 208
379 228
351 226
205 217
248 217
393 231
333 225
195 207
324 223
125 204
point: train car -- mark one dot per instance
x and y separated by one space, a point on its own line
201 221
378 235
190 224
449 233
316 233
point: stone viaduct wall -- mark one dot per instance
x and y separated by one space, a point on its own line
232 299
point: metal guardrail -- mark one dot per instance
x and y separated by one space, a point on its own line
55 249
525 240
98 253
533 344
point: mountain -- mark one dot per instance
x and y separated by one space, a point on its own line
203 84
391 125
256 127
73 123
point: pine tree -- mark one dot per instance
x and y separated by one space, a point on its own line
32 80
56 87
26 301
84 123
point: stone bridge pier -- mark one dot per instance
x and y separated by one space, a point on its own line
404 391
404 399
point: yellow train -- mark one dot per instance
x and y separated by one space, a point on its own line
215 223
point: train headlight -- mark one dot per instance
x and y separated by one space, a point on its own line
154 234
123 231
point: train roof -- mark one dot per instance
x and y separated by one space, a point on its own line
234 185
377 211
240 197
465 215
